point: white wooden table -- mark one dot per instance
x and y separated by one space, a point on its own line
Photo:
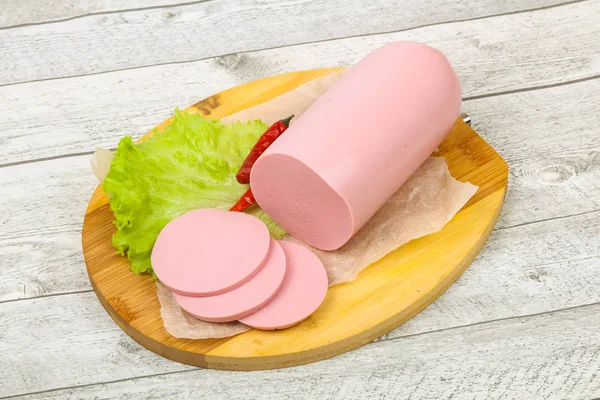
522 322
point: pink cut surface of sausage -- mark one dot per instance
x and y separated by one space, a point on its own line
358 143
243 300
208 252
303 290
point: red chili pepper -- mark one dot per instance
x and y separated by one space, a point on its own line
267 138
244 202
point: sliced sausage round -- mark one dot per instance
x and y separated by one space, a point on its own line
243 300
208 252
303 290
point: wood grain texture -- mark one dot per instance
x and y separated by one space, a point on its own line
548 138
15 13
180 34
66 341
550 356
385 295
38 11
69 116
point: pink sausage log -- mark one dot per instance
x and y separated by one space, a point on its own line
356 145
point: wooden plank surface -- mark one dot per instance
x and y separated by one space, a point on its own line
556 271
46 344
20 13
38 11
548 136
208 29
550 356
97 110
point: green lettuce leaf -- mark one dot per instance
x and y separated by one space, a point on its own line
191 164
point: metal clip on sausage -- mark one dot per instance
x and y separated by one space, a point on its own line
465 117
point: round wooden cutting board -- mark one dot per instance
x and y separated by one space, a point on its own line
385 294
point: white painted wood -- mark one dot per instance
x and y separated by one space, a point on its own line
43 205
51 118
39 11
549 139
140 38
42 261
67 340
551 356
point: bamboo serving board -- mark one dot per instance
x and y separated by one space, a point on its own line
385 294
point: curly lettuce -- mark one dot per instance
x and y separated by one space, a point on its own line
191 164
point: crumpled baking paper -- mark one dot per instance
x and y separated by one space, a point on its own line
101 160
182 325
423 205
295 102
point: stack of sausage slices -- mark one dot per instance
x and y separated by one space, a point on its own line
223 266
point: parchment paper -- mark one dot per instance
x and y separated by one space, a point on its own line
182 325
295 102
423 205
